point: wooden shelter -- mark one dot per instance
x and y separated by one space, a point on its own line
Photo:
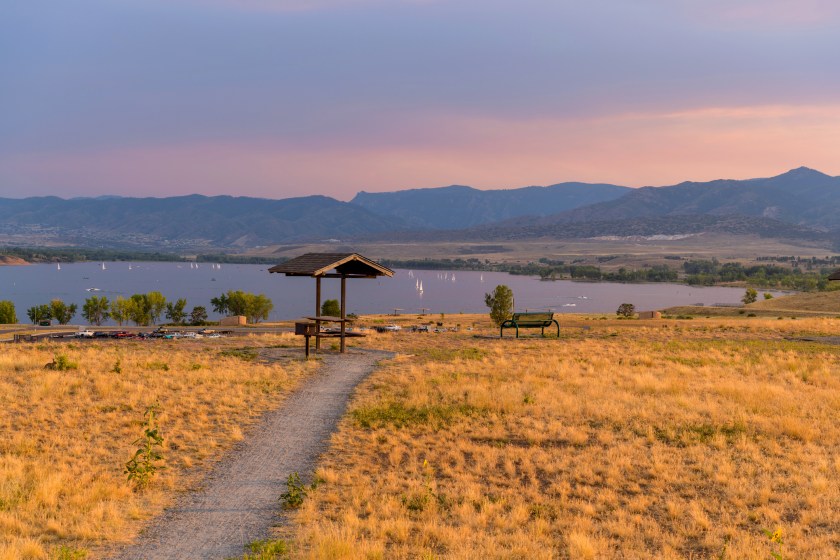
331 265
835 276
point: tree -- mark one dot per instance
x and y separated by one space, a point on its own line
750 296
96 310
139 309
238 302
626 310
156 303
258 307
220 304
119 310
198 315
39 313
500 303
62 312
331 308
255 307
175 311
7 313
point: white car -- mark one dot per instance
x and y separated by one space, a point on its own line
86 333
389 328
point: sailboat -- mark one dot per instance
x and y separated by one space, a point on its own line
129 266
417 284
420 289
103 266
482 278
58 266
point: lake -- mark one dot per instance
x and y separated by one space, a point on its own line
443 291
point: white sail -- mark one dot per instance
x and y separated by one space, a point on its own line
103 266
421 287
58 266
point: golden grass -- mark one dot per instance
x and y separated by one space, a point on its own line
68 434
630 439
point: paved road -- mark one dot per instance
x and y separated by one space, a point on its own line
240 500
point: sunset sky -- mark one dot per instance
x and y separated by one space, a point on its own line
281 98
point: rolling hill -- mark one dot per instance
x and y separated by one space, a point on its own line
188 221
801 196
457 207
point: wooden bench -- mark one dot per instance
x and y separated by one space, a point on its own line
529 321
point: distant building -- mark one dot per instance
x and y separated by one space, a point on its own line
835 276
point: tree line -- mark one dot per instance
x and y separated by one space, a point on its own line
143 309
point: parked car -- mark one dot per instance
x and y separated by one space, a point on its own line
86 333
388 328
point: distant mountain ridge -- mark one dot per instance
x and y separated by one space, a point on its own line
457 206
801 196
802 204
189 221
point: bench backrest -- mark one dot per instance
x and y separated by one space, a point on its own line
525 317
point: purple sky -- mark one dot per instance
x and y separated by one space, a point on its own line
280 98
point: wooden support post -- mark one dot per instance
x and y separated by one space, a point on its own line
317 313
343 309
307 345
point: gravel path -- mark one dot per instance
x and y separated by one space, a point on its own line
240 498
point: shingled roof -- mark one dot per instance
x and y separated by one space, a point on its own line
835 276
320 264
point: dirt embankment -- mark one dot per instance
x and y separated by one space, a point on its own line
8 260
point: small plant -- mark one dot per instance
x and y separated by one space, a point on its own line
245 354
777 541
145 463
61 363
296 491
64 552
117 366
266 550
161 366
768 295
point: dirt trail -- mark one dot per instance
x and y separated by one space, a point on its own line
240 498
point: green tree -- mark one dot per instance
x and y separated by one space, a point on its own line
258 307
156 303
626 310
62 312
120 310
238 302
750 296
96 310
175 311
768 295
198 315
220 304
500 302
255 307
331 308
7 313
139 309
39 313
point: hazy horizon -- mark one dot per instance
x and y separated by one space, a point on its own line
284 98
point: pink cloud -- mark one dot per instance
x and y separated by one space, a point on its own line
631 149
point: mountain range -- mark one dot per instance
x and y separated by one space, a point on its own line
800 204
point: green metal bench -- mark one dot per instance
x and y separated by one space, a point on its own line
529 321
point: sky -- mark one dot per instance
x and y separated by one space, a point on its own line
284 98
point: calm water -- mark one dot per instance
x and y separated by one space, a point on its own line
293 297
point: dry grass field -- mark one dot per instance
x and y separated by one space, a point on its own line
66 435
627 439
